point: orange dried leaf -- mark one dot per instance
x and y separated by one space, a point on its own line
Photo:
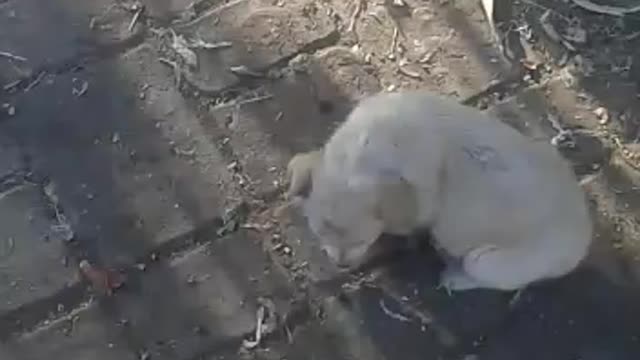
103 280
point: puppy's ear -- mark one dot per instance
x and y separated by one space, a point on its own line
300 172
396 203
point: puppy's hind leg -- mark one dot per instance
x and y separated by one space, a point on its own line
491 267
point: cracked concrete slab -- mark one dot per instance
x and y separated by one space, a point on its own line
137 162
77 30
302 108
131 162
200 301
33 261
260 37
445 47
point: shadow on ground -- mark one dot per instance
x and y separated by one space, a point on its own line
127 195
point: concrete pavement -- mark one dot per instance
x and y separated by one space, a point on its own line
150 139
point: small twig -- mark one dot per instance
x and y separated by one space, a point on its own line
78 92
355 15
392 314
563 134
201 44
176 69
12 56
135 18
238 103
242 70
35 82
516 297
181 47
94 19
495 86
394 39
12 85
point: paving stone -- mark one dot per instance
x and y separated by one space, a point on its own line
312 340
261 37
87 333
534 112
445 48
336 73
31 264
79 28
130 160
196 303
306 105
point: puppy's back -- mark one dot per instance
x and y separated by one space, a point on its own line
495 179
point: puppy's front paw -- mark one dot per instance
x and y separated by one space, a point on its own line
455 279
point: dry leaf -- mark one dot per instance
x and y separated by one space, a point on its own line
103 280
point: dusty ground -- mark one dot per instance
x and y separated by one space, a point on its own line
149 140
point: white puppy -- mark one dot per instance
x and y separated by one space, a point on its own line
507 210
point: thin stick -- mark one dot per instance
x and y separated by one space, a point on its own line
238 103
134 20
11 56
355 15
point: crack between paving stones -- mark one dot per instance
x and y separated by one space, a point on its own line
96 55
32 315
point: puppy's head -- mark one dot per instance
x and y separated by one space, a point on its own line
343 219
348 215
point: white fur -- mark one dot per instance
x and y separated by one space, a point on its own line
507 208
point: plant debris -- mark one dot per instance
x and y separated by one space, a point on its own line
102 280
266 323
564 137
62 228
181 47
136 17
11 86
95 19
201 44
392 314
602 114
35 82
177 73
10 109
242 70
81 90
355 15
11 56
